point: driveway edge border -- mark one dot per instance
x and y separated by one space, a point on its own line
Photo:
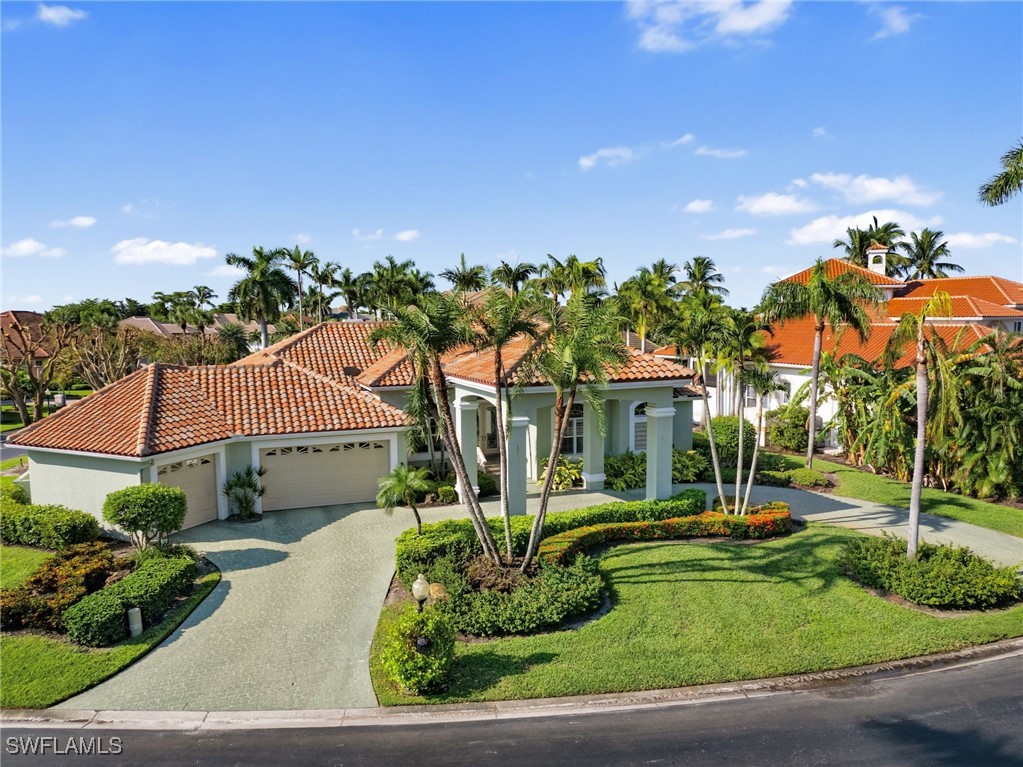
513 709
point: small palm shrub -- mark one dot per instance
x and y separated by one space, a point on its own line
243 489
400 487
420 650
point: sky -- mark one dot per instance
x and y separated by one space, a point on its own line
142 141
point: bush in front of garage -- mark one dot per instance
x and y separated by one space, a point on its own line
100 619
148 512
48 527
420 650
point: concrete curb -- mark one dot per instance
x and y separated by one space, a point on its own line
512 709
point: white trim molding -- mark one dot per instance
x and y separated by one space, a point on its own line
591 478
660 412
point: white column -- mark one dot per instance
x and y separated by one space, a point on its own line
517 435
658 452
593 450
467 426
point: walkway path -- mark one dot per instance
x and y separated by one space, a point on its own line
290 624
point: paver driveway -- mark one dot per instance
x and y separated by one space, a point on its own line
290 624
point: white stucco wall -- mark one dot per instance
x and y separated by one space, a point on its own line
79 481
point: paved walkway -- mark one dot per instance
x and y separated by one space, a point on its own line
290 624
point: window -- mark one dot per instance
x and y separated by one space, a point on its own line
572 442
750 397
1017 326
638 428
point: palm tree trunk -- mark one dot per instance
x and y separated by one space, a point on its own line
301 317
815 374
738 464
561 420
264 335
756 452
502 447
710 437
419 520
913 536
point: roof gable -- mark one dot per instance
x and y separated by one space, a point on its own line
836 266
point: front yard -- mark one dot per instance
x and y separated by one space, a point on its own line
697 613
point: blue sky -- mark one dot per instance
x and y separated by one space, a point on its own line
143 141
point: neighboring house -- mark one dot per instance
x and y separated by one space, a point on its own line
21 332
172 330
324 413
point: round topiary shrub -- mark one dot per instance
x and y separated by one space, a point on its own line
787 428
726 437
419 651
148 513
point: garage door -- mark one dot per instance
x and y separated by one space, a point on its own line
323 475
198 478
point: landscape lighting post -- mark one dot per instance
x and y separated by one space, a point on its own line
420 590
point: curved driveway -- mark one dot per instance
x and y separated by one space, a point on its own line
291 622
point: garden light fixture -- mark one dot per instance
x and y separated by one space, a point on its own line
421 590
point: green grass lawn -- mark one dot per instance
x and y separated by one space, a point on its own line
10 463
38 671
19 562
700 613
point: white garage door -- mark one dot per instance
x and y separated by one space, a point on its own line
323 475
198 478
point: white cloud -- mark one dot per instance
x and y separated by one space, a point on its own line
59 15
681 140
901 190
78 222
32 300
774 204
31 247
377 235
612 156
729 234
699 206
721 154
142 250
408 235
677 26
976 241
830 228
894 20
226 270
797 183
303 239
819 132
127 208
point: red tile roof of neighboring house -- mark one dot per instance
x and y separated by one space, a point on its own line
168 407
836 266
963 307
32 325
997 290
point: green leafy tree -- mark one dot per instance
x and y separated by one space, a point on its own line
512 276
400 487
466 278
702 278
301 261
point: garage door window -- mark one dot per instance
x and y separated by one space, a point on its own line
192 463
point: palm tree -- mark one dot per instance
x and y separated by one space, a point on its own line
888 234
264 291
323 275
1007 184
512 276
203 296
764 383
643 298
504 316
855 246
572 276
427 330
583 346
923 254
397 283
399 487
702 277
837 303
234 336
301 261
465 278
913 327
353 290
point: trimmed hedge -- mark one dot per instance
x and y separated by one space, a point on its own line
456 539
808 478
16 493
773 478
940 576
48 527
765 521
420 669
100 619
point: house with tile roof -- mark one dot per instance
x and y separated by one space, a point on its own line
324 412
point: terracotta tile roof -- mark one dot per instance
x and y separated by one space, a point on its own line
836 266
31 323
687 392
793 341
166 407
997 290
964 307
393 369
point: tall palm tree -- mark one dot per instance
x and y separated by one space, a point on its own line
583 346
1004 186
512 276
644 298
353 290
397 283
913 327
203 296
427 330
839 303
265 290
324 276
502 317
889 234
702 277
233 335
764 383
923 253
399 487
465 278
572 276
854 246
301 261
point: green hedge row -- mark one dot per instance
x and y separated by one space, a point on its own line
764 522
456 539
100 619
48 527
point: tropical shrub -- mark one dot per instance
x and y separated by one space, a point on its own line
487 485
773 478
48 527
787 428
447 494
567 474
243 489
147 512
771 462
940 576
626 471
420 666
15 493
808 478
726 437
688 466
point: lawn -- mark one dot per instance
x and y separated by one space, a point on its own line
698 613
19 562
39 671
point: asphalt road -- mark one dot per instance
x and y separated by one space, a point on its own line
957 717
